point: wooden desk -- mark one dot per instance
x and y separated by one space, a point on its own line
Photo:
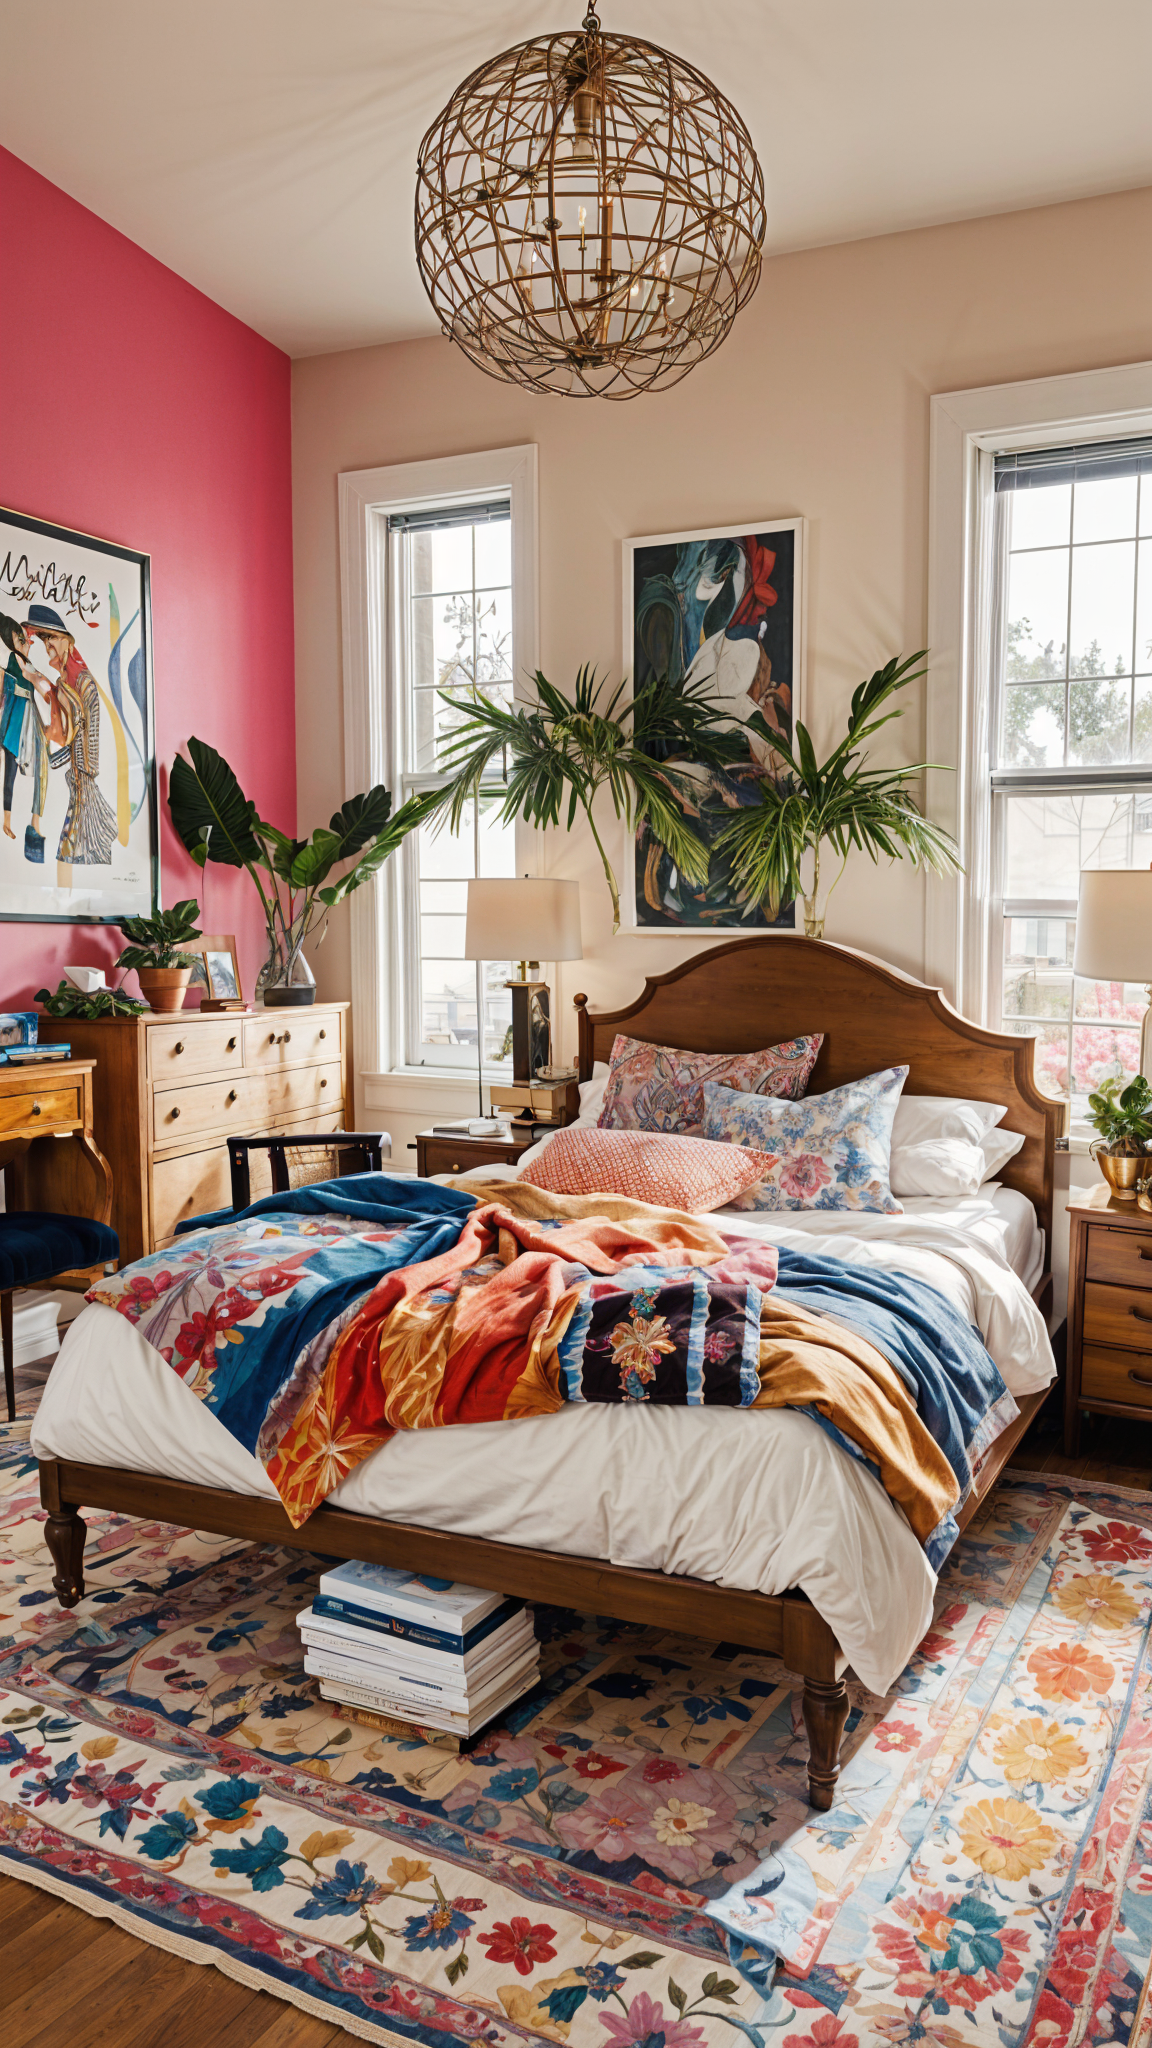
47 1149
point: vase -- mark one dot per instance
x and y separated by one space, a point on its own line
1121 1170
285 981
813 917
164 988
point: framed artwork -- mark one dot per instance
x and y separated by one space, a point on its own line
77 728
218 973
728 606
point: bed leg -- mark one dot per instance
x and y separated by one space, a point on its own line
64 1533
825 1710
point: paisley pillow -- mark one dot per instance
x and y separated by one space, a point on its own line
829 1151
658 1087
673 1172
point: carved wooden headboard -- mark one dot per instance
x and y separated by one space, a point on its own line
759 991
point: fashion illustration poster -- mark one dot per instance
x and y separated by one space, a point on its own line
724 607
77 744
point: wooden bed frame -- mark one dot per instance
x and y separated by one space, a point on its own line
731 998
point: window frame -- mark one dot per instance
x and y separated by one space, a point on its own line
968 428
374 740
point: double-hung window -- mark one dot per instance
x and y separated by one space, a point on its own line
451 619
1071 703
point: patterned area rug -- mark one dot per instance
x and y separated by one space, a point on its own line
985 1875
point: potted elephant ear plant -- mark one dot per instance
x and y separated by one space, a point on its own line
298 881
1123 1117
156 951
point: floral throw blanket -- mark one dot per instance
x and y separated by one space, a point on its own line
315 1325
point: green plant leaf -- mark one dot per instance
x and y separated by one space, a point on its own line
213 818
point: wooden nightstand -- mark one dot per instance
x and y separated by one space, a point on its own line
1109 1368
437 1154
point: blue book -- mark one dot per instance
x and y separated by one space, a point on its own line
401 1630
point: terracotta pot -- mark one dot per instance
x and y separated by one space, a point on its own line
164 987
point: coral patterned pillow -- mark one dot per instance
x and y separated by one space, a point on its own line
674 1172
659 1088
828 1152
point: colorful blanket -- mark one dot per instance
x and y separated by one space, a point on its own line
316 1324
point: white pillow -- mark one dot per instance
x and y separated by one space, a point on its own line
998 1148
937 1166
928 1117
592 1095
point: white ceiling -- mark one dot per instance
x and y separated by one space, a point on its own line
265 148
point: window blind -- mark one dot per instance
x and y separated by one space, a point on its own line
434 518
1032 468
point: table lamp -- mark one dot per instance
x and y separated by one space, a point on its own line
1114 934
525 921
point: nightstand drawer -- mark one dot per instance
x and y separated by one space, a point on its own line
40 1108
1122 1257
445 1155
1116 1376
1117 1315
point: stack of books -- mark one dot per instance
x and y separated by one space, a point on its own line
423 1658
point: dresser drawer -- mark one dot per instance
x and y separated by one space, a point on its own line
192 1047
282 1036
1116 1376
246 1104
187 1184
39 1108
1122 1257
1117 1315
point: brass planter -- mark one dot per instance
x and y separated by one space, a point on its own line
1121 1170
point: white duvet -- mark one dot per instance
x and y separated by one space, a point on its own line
760 1500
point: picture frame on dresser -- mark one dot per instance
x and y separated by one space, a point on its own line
726 605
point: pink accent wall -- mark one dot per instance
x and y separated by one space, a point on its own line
134 408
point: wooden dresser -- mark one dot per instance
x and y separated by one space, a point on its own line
1109 1311
170 1090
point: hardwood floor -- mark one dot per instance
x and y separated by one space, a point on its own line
68 1976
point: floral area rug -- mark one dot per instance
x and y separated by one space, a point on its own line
619 1861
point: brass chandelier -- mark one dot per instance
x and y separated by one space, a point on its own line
589 215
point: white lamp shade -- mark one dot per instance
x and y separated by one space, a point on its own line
1114 925
523 920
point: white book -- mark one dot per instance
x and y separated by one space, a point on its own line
440 1603
395 1655
456 1724
419 1699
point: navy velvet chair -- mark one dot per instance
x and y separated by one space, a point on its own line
34 1247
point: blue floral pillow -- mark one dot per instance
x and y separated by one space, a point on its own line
831 1151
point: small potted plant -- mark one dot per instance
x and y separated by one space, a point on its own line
1123 1117
163 968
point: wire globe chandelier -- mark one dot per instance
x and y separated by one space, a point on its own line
589 215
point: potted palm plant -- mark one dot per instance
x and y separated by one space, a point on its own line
836 804
296 879
559 752
156 951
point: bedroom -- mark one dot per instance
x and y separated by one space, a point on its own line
243 389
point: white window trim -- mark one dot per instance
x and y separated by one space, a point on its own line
968 429
371 743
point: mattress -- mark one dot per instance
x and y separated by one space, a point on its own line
759 1500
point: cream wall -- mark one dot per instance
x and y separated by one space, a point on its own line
818 404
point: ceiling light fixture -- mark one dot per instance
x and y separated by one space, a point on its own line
589 215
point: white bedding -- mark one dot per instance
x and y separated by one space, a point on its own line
758 1501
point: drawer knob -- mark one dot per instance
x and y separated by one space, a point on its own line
231 1095
324 1034
231 1045
455 1166
36 1109
272 1038
323 1084
287 1038
1142 1379
179 1045
173 1113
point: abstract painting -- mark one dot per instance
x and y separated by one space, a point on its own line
725 607
78 839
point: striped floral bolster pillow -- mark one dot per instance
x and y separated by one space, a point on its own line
673 1172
